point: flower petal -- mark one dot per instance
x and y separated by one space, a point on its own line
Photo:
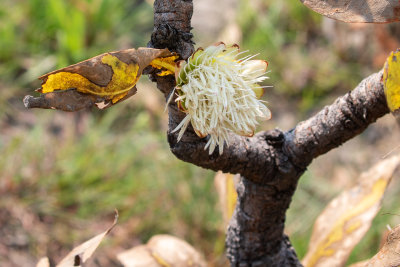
254 68
258 90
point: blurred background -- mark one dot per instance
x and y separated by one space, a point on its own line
63 174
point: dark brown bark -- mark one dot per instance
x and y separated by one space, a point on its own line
347 117
270 163
172 26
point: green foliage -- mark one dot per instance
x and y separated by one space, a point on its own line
108 167
300 59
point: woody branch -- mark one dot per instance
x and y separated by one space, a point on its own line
271 162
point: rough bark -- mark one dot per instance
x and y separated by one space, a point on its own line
271 162
347 117
172 26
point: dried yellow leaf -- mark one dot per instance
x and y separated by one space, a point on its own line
231 195
391 81
166 64
344 224
348 217
100 81
160 260
123 79
225 184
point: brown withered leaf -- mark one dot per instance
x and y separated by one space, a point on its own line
373 11
103 80
70 100
162 250
83 252
389 254
347 218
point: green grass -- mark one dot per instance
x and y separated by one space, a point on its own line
87 176
289 36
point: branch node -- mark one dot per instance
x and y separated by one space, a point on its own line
275 137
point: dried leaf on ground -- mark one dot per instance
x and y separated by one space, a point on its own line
103 80
391 82
347 218
162 250
43 262
225 185
389 254
139 256
359 264
83 252
378 11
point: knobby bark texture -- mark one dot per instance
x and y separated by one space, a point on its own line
270 163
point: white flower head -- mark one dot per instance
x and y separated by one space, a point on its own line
220 93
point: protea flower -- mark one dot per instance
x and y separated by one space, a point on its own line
219 92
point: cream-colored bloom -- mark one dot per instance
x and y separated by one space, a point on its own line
220 93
